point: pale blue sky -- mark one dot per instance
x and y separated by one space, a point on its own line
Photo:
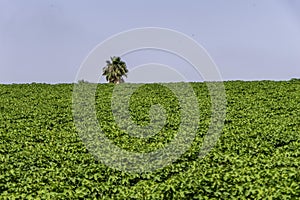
46 41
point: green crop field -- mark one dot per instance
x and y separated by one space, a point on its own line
257 155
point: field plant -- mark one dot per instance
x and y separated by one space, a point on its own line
256 157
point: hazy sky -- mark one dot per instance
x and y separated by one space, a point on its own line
46 41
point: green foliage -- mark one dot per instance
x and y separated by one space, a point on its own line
140 103
257 156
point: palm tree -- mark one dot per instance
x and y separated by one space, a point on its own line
114 70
